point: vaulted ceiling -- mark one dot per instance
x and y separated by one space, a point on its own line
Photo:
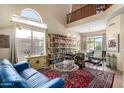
56 10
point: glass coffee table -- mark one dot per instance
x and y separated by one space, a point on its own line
65 68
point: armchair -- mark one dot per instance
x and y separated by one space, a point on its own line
79 59
69 56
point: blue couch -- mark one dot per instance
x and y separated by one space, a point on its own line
21 75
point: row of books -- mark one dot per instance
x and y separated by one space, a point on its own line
59 45
61 50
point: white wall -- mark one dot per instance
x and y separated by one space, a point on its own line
117 28
5 52
122 44
53 15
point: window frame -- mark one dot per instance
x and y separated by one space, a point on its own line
18 19
31 24
32 19
37 30
94 44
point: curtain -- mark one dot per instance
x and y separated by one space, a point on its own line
104 42
83 44
13 54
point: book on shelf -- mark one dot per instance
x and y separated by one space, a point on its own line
59 45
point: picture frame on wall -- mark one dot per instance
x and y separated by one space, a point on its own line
4 41
113 43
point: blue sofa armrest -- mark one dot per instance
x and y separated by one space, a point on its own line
20 66
54 83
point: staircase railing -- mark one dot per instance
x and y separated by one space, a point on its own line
86 11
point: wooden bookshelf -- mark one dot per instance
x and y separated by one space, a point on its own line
59 45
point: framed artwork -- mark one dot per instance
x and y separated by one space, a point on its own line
113 43
4 41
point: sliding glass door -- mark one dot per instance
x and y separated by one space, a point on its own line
98 43
95 43
90 43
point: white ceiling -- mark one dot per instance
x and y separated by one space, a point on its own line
97 22
58 10
98 25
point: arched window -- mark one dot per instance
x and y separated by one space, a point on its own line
32 37
31 15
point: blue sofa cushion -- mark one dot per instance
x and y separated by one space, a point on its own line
54 83
27 73
34 78
20 66
37 80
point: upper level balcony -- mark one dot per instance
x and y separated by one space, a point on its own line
86 11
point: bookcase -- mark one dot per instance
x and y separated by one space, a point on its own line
59 45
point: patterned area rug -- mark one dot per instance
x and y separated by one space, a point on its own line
83 78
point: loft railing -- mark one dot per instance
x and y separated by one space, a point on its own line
86 11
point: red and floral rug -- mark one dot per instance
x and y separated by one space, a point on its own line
83 78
